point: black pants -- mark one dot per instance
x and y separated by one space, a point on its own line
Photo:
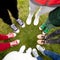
50 37
10 5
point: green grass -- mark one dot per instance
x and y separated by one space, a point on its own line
28 34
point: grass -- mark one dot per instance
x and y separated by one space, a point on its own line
27 35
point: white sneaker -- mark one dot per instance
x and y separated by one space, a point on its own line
29 19
16 30
22 49
36 21
29 50
21 23
35 53
41 49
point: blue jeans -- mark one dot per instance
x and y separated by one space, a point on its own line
39 58
52 55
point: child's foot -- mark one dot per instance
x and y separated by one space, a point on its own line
42 27
29 50
36 21
45 31
41 42
14 43
22 24
11 35
22 49
41 36
16 30
29 19
41 49
35 53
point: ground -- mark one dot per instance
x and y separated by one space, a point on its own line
27 35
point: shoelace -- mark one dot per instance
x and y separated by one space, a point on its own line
14 27
20 22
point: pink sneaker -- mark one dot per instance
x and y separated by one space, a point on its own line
11 35
14 43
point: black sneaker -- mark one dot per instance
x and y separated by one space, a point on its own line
16 30
22 24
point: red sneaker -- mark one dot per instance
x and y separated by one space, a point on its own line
14 43
11 35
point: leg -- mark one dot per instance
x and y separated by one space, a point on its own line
57 32
53 41
13 9
51 54
39 58
12 6
32 9
44 28
5 16
5 37
48 27
35 53
5 46
43 10
44 25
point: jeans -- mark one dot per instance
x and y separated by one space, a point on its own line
52 55
39 58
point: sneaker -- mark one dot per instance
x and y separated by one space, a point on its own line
41 49
29 19
29 50
14 43
42 27
22 49
41 42
35 53
22 24
36 21
41 36
16 30
45 31
11 35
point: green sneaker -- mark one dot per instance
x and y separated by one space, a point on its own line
42 27
46 30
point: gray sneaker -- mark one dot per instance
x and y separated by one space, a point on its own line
16 30
22 24
35 53
40 48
